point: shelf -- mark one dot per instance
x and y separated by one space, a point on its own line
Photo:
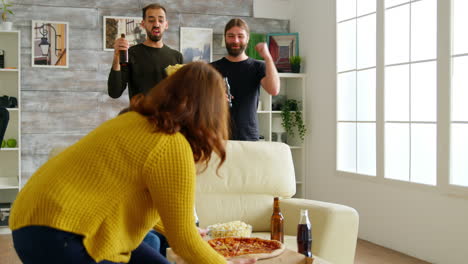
279 112
10 31
291 75
292 87
10 83
8 183
295 147
9 149
273 112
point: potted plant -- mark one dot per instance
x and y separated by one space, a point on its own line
292 118
6 25
295 63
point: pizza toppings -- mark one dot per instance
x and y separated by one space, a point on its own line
246 246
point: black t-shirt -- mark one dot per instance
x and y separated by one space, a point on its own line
146 68
244 79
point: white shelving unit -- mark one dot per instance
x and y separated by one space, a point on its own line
292 87
10 85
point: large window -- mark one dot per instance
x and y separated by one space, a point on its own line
389 80
410 90
356 33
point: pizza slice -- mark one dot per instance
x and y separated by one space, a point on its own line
226 246
220 247
258 248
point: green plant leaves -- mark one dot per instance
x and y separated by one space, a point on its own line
291 120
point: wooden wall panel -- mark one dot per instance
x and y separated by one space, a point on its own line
61 122
211 7
79 17
259 25
61 105
40 144
223 7
62 80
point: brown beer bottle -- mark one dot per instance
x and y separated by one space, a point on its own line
123 55
197 221
277 220
304 235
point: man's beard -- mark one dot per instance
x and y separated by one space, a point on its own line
150 35
235 52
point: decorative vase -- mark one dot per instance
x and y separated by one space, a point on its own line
6 25
296 68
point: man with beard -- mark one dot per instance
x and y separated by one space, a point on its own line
245 75
146 61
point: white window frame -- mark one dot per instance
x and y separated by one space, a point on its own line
356 70
443 122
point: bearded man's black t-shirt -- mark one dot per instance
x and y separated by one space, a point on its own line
244 79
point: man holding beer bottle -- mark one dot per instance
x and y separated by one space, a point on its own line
147 61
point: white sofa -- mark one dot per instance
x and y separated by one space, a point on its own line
253 174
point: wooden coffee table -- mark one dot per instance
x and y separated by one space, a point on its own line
287 257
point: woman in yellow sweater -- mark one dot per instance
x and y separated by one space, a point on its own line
95 201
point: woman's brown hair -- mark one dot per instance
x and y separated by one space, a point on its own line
191 101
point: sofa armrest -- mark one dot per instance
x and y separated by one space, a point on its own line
334 227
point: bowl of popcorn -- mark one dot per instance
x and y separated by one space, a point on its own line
234 228
171 69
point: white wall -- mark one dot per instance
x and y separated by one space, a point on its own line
420 223
278 9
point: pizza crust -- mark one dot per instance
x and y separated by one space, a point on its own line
259 256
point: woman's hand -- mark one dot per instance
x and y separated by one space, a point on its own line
120 44
242 261
202 232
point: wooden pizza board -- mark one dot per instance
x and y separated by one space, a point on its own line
287 257
292 257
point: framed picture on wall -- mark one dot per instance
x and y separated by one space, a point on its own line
115 26
196 44
282 46
49 44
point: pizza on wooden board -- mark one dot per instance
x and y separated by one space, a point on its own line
254 247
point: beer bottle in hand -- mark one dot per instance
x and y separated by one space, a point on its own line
228 91
304 235
277 220
197 222
123 55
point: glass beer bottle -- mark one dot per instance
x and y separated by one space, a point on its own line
197 222
276 224
123 55
304 235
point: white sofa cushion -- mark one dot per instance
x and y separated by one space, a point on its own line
253 173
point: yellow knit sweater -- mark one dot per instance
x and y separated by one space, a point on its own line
113 186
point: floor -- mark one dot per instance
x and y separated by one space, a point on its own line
369 253
366 253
